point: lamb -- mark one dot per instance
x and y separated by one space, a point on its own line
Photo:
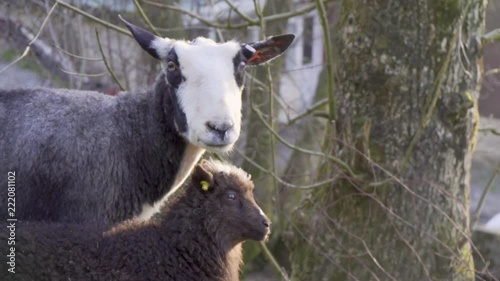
82 156
197 236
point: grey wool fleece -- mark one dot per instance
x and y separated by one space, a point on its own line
95 158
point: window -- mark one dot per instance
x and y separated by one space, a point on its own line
307 40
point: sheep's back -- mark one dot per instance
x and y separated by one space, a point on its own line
55 140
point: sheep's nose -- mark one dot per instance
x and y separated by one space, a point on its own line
220 129
266 223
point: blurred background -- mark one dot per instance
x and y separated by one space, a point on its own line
285 105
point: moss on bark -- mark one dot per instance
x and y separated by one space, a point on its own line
405 89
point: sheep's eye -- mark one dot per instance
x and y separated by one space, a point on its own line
171 66
231 196
242 65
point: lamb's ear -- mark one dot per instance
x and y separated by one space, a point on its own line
266 50
202 178
154 45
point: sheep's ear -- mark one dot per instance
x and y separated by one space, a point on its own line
154 45
266 50
202 178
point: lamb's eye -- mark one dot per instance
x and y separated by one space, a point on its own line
171 66
231 196
242 65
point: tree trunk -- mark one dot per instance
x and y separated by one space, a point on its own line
407 85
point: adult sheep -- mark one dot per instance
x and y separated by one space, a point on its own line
80 156
197 236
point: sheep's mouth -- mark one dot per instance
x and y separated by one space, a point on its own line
215 145
218 142
218 147
259 234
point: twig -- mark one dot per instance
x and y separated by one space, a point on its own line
322 114
207 22
145 18
272 143
106 62
490 130
288 15
237 11
162 29
82 74
492 71
186 12
274 262
218 31
28 47
98 20
461 51
73 55
308 111
287 184
486 190
492 36
262 86
332 104
341 163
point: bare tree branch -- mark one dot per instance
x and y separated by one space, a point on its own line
285 183
82 74
492 71
308 111
28 47
146 19
485 192
492 36
106 62
336 160
75 56
186 12
237 11
332 104
268 19
96 19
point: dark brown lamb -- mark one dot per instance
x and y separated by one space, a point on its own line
197 236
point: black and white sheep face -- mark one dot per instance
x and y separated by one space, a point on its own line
208 93
207 79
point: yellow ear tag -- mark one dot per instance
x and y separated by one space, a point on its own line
204 185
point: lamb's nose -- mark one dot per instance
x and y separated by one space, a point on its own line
220 129
266 223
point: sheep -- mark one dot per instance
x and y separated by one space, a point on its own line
82 156
197 235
